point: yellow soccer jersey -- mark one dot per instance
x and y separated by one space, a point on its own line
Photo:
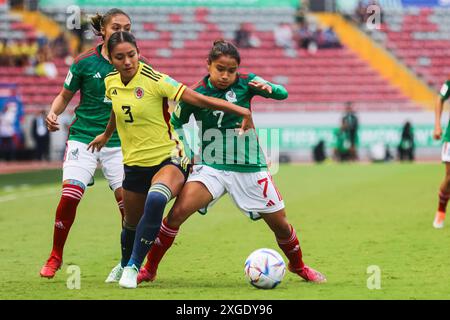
142 116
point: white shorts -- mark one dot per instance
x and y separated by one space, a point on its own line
252 192
80 164
445 154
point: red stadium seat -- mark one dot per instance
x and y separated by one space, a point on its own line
325 80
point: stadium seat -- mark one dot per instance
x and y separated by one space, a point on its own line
420 37
177 41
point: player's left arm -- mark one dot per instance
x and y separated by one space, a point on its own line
266 89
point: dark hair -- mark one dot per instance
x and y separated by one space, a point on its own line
223 48
98 21
120 37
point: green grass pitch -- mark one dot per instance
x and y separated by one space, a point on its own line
348 217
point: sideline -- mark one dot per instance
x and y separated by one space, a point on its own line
28 166
22 195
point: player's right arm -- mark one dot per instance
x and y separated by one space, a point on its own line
176 91
71 85
443 96
59 104
201 101
99 142
437 134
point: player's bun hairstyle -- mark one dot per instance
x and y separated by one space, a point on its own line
223 48
98 21
120 37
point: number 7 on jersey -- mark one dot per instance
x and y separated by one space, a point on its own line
220 115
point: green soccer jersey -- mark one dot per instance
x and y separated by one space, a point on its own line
87 74
343 141
220 146
445 95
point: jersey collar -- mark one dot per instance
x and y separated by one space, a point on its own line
135 76
99 53
209 85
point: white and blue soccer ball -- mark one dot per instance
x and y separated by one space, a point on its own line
265 268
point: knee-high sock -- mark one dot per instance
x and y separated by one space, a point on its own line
443 200
292 250
127 241
65 216
163 242
150 223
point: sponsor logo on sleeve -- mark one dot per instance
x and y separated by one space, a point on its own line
171 81
68 78
444 89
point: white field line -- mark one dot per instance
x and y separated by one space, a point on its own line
22 195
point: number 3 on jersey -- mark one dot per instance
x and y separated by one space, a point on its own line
127 110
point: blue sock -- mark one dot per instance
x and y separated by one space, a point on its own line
150 223
126 241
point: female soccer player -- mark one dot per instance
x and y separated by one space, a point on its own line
154 160
249 183
444 192
91 116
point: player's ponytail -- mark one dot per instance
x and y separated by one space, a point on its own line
101 21
223 48
120 37
96 23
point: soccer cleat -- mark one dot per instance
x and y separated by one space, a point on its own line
129 277
115 274
438 222
309 274
146 275
52 265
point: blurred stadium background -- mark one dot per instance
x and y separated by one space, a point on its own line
387 63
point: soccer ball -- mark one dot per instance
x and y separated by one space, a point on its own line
264 268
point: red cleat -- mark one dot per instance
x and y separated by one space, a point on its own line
52 265
309 274
146 275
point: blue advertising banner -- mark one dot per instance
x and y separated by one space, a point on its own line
349 6
11 109
426 3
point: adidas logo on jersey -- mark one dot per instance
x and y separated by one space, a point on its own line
114 92
97 75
